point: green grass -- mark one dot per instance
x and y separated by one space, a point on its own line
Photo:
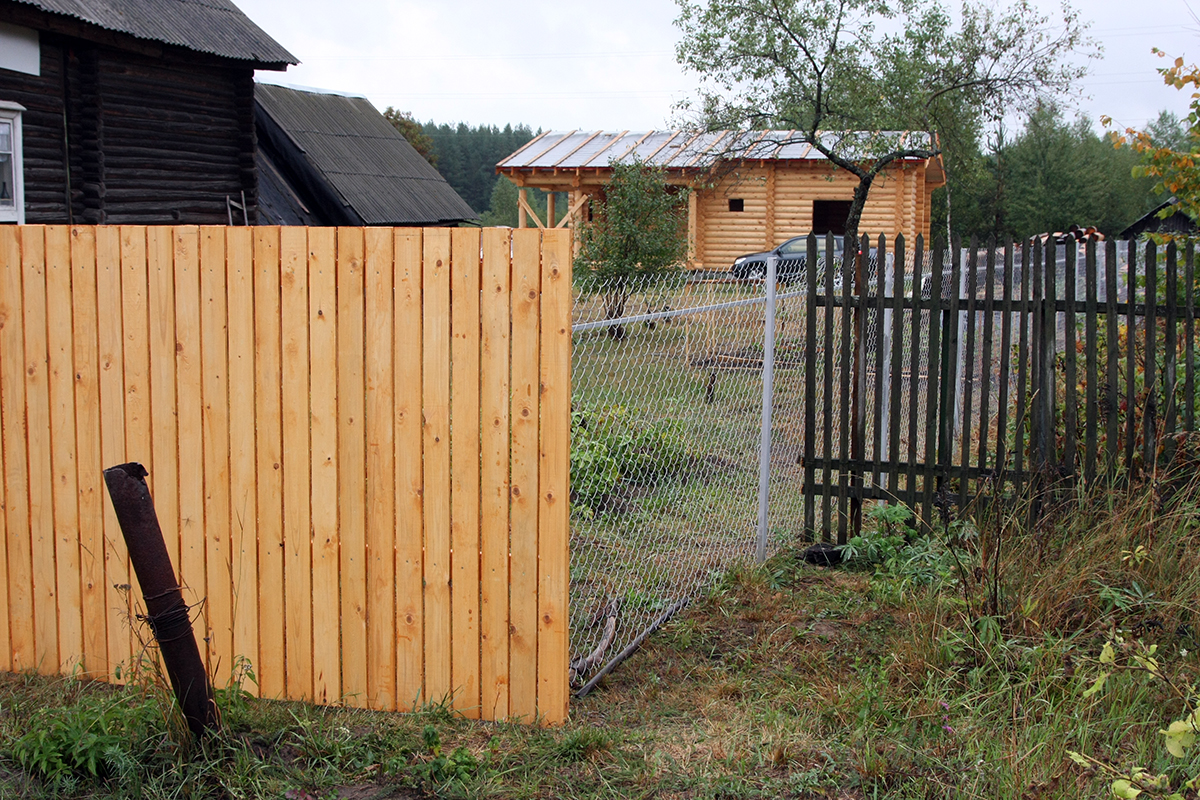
890 677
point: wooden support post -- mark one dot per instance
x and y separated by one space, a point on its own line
550 209
522 202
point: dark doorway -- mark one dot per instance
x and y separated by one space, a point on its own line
829 216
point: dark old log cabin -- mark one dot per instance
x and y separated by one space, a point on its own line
129 111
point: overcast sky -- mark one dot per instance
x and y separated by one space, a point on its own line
609 64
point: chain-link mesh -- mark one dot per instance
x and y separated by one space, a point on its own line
667 384
666 411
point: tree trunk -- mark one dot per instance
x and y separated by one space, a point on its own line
856 207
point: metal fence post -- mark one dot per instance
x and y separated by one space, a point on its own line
768 393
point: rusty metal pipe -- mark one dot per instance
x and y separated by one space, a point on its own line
165 610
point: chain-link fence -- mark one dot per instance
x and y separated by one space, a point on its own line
666 445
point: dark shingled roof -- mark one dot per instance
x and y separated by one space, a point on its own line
217 27
346 154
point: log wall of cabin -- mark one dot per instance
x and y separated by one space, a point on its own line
899 202
114 137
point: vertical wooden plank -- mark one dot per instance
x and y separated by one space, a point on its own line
1022 410
494 480
526 367
810 391
135 313
1037 391
85 348
352 464
1070 362
933 384
985 373
1049 360
1090 352
1113 350
214 355
164 443
1006 346
190 415
845 403
297 468
827 355
323 364
1150 347
1131 355
949 389
1189 336
19 554
5 641
410 480
895 457
969 372
61 367
436 446
117 576
1170 345
553 478
918 307
243 491
464 465
879 365
268 382
37 431
380 470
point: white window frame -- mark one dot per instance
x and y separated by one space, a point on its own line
12 112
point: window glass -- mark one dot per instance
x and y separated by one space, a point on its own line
6 165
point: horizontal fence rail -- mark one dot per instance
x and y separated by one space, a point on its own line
357 442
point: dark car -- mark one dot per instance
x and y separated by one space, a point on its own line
793 257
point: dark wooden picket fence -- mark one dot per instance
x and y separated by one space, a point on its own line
990 371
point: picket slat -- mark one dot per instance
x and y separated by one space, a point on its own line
494 477
61 366
16 464
118 578
326 538
164 441
214 383
297 466
464 476
243 466
190 415
270 661
526 377
408 347
352 463
1113 349
553 471
87 453
380 467
435 336
37 429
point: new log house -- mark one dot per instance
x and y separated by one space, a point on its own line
751 191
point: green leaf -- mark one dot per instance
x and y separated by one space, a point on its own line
1079 759
1125 790
1097 686
1108 655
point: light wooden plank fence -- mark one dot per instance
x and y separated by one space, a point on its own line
358 444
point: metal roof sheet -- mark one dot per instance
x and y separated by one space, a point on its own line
678 149
374 169
217 27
